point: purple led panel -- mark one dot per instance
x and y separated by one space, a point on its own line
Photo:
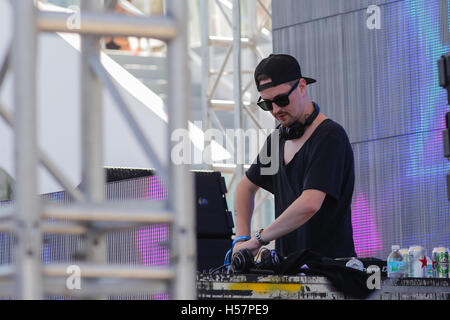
151 240
365 233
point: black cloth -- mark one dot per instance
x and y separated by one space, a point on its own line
349 281
325 162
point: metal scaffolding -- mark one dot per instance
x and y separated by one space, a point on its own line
211 79
28 218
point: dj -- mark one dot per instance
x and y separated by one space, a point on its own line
313 185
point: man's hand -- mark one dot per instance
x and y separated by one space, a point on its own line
252 245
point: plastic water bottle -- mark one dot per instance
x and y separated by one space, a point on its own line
430 271
395 263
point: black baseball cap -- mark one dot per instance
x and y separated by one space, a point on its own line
281 68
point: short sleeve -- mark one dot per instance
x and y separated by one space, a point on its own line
327 165
255 174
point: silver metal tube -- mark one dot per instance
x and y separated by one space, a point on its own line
260 202
7 270
226 41
29 280
230 184
4 66
225 105
109 24
92 172
101 287
7 288
63 228
252 117
237 83
181 185
230 72
260 28
229 142
107 213
76 194
8 226
47 163
265 8
7 213
224 13
132 122
58 228
93 176
111 271
222 69
249 83
206 61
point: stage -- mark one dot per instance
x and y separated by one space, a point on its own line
253 286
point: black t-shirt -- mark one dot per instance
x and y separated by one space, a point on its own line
324 162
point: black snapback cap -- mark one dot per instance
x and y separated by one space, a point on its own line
280 68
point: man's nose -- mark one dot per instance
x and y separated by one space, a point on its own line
275 108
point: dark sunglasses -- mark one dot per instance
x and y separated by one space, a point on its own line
281 100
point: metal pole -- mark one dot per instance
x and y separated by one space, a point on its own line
92 23
47 163
92 172
91 114
181 186
130 118
29 271
4 66
237 83
206 61
252 58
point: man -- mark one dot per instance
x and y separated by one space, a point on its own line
313 186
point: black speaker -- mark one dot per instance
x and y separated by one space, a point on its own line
211 253
214 221
213 218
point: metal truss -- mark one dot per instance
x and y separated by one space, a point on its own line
235 47
28 219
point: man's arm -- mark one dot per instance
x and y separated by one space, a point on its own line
244 197
297 214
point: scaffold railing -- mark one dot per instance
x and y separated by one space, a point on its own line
28 217
211 79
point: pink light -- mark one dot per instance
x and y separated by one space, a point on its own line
150 240
365 234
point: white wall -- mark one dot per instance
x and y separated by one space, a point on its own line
58 87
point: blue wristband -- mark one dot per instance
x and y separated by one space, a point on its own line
238 239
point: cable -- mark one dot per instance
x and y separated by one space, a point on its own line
218 268
228 254
259 253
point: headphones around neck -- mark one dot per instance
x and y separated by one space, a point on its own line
296 130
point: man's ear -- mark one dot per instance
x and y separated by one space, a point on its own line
302 86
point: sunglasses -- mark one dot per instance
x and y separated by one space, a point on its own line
281 100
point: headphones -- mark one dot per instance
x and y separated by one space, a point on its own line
296 130
244 262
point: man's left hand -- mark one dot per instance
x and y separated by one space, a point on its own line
252 245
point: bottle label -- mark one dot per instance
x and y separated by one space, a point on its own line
395 266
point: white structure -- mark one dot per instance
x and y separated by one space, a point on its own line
62 118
